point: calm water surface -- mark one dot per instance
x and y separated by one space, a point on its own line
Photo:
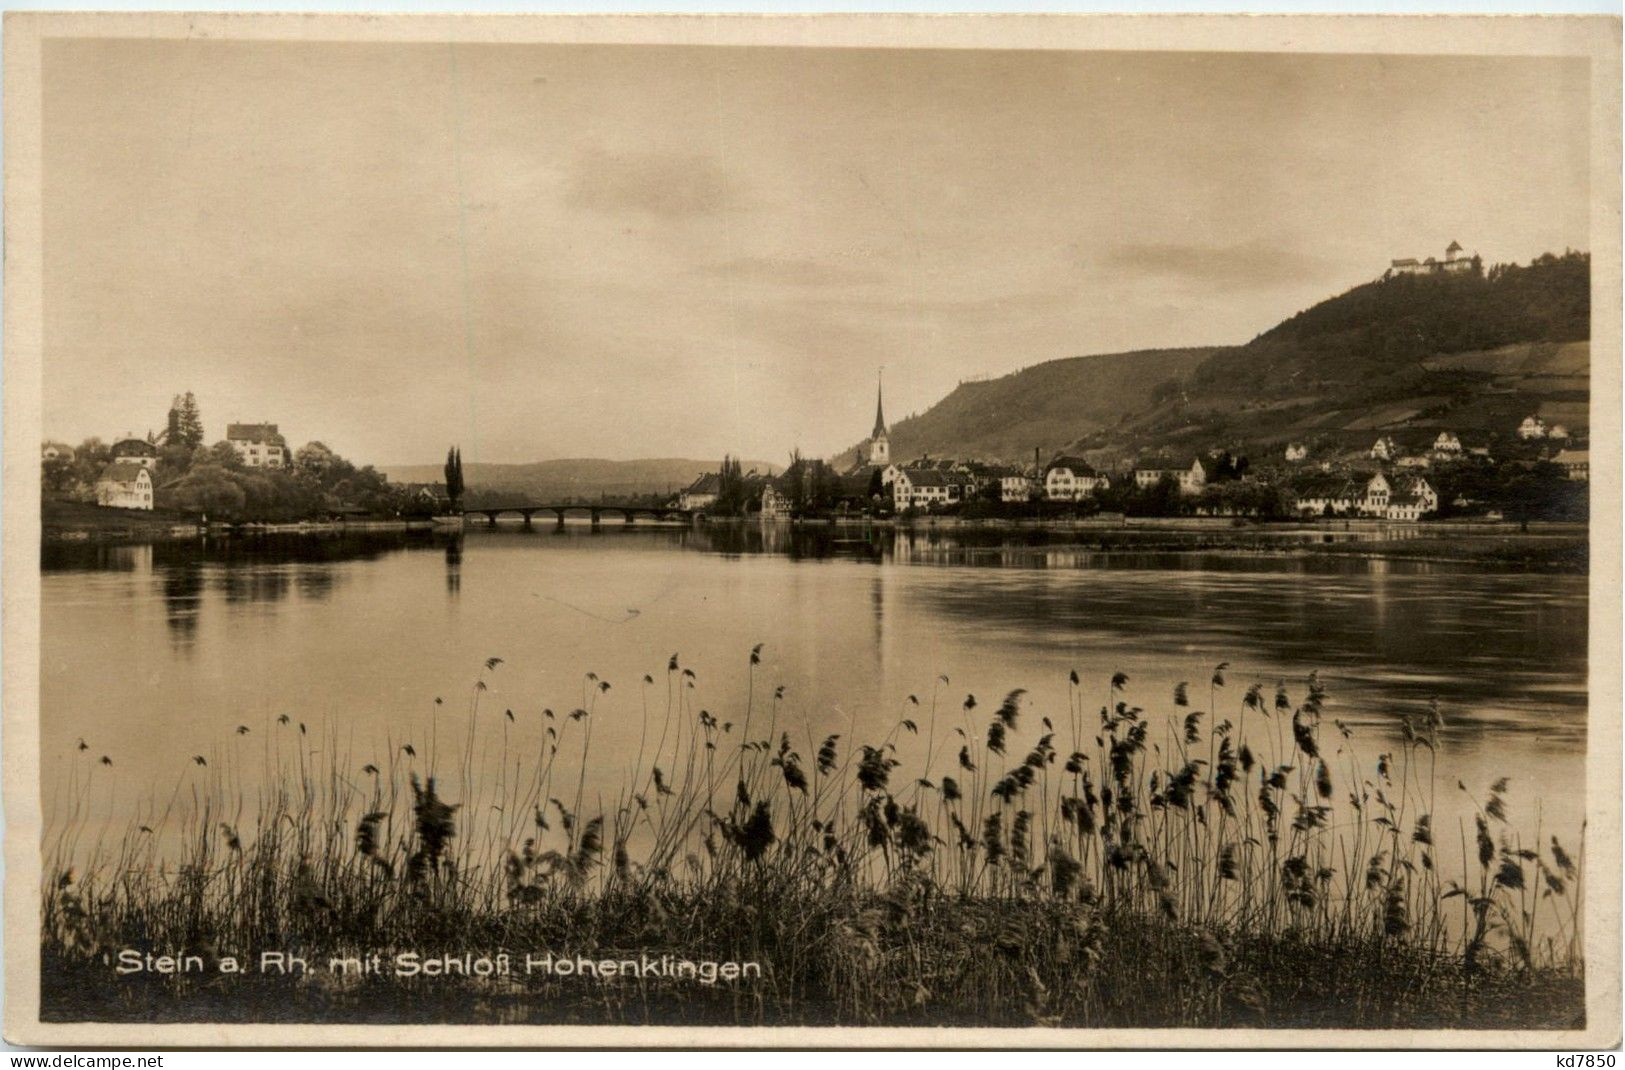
154 653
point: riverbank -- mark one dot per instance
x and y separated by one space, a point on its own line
79 521
64 521
1541 547
911 957
1278 881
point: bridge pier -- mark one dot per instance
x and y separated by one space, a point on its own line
491 519
595 519
526 513
629 518
559 527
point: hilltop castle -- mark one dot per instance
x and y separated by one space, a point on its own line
1452 263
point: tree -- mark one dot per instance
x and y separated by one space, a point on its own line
224 455
731 489
315 460
185 423
454 475
56 474
207 489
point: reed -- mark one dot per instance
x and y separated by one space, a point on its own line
1239 865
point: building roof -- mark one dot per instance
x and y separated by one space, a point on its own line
436 489
926 477
1077 465
1453 247
1573 457
1171 467
1409 261
254 433
133 447
708 483
880 415
121 472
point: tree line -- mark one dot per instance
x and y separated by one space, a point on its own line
214 481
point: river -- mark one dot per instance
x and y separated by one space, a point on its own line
154 654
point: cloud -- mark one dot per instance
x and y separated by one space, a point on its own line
799 272
1251 265
660 184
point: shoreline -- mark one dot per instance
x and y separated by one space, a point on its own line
1543 546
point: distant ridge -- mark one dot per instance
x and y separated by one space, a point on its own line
1473 352
572 478
1046 406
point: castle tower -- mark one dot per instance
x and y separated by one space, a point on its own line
879 443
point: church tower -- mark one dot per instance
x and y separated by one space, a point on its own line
879 443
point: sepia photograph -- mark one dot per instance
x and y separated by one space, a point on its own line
1065 530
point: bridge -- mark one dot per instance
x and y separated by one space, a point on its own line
595 511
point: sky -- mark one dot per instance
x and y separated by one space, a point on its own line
543 251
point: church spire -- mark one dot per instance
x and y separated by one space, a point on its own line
880 414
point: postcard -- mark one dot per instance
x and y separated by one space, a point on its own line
1052 531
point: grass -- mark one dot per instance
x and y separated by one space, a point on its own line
1107 866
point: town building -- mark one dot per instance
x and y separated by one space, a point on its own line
1374 500
1384 449
431 494
1325 496
136 451
125 485
56 451
1191 480
775 503
1071 479
700 494
1558 433
1016 485
1576 464
1532 427
1447 445
258 445
1296 451
921 488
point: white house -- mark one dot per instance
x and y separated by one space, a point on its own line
1328 497
1374 500
1384 449
923 487
1422 491
1532 427
1296 451
1404 507
1447 444
775 505
1558 433
1071 479
124 485
258 445
1191 480
700 494
52 451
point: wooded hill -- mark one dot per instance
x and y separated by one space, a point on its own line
1474 352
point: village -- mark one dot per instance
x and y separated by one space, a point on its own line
250 474
1390 480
